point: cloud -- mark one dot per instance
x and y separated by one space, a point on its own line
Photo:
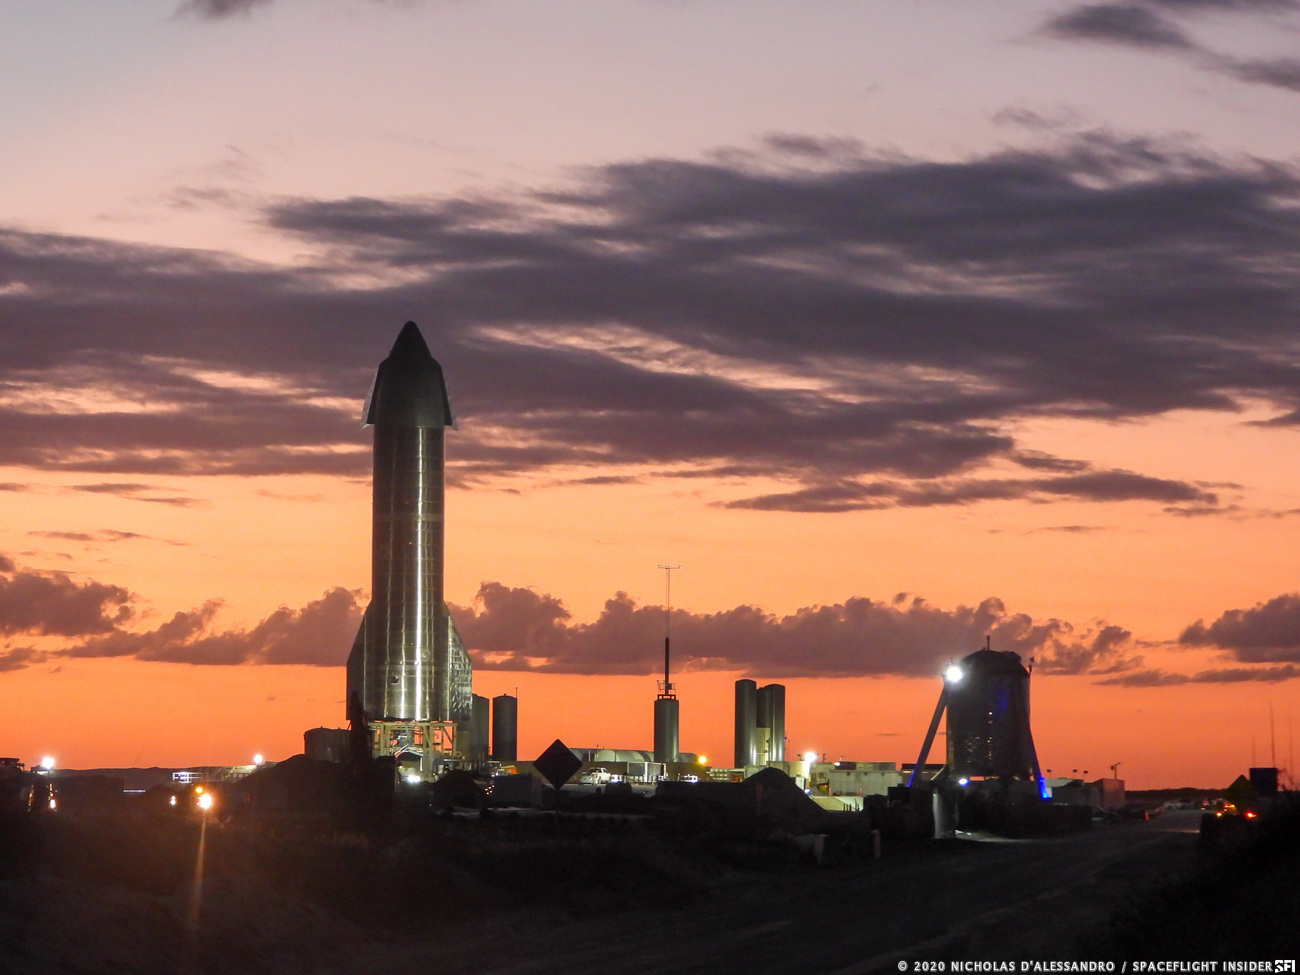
219 9
1268 632
20 657
1278 72
519 629
1145 24
52 604
1093 486
101 535
135 492
224 9
1118 23
1228 675
318 634
862 330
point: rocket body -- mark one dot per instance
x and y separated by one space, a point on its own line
399 668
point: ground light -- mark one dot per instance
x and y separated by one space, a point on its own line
703 759
47 764
258 759
810 757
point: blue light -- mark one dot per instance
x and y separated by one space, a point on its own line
1042 789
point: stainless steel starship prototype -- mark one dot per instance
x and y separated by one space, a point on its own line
404 662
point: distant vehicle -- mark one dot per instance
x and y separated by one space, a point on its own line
595 776
690 777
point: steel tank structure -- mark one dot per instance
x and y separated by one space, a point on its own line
986 697
479 725
667 721
988 719
505 728
760 723
746 721
409 676
405 676
771 715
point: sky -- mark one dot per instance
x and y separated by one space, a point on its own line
896 325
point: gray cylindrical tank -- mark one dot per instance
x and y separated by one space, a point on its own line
988 718
479 725
771 715
326 744
505 728
666 722
746 720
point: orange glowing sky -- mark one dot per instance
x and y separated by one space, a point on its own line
825 303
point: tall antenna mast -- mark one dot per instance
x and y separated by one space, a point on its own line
668 622
1272 736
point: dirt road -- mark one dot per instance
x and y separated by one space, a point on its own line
968 900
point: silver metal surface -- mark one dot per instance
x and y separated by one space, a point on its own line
400 669
746 720
771 715
666 727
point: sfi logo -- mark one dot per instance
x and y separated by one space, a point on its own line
1284 965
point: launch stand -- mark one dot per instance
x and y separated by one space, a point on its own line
421 749
991 762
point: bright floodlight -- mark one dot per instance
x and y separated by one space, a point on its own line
953 674
205 801
47 763
810 756
702 759
413 779
258 759
963 781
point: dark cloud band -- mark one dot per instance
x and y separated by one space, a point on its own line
870 331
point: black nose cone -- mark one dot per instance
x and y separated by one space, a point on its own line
409 390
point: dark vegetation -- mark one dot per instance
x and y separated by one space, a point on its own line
308 862
1241 903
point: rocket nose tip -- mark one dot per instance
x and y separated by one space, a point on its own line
410 337
409 388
